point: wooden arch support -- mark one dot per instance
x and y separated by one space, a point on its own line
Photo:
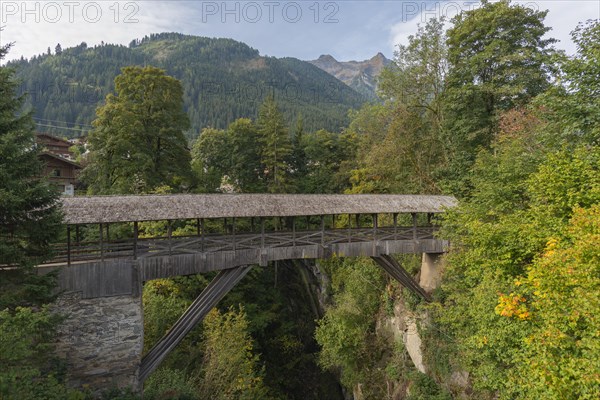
210 296
396 271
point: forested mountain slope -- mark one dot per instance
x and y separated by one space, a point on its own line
223 80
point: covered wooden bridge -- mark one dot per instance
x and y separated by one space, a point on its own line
115 243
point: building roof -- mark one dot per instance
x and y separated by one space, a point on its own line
58 140
106 209
62 159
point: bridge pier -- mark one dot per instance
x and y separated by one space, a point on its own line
101 340
431 271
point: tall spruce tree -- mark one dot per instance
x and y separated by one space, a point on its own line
276 146
29 216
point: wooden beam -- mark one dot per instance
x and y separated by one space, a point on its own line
396 271
414 221
210 296
349 228
169 235
323 230
294 231
374 226
262 233
233 232
68 245
135 239
101 245
203 235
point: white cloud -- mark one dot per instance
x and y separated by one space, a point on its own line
35 25
563 17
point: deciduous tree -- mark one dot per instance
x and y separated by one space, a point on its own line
138 142
498 59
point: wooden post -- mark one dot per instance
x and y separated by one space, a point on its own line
225 226
107 233
323 230
349 228
374 226
262 232
252 224
135 239
68 245
414 219
169 234
101 245
77 236
233 232
358 221
293 231
203 235
395 225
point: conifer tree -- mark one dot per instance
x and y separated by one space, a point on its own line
29 217
276 146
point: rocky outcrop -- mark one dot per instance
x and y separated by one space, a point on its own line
359 75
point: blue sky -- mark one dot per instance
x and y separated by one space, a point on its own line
348 30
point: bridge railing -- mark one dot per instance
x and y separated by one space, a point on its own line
211 243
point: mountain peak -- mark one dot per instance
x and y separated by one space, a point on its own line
326 58
359 75
379 56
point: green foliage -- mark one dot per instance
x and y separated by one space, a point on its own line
275 146
325 155
573 106
169 384
27 367
29 221
223 79
422 387
28 214
229 160
230 369
258 157
163 305
498 60
138 142
558 358
117 394
347 331
400 141
498 236
278 303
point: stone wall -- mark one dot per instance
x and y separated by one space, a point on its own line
101 340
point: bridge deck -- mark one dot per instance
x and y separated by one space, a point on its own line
212 243
104 269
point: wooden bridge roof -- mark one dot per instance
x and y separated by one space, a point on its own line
108 209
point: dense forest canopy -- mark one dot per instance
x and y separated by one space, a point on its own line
223 80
